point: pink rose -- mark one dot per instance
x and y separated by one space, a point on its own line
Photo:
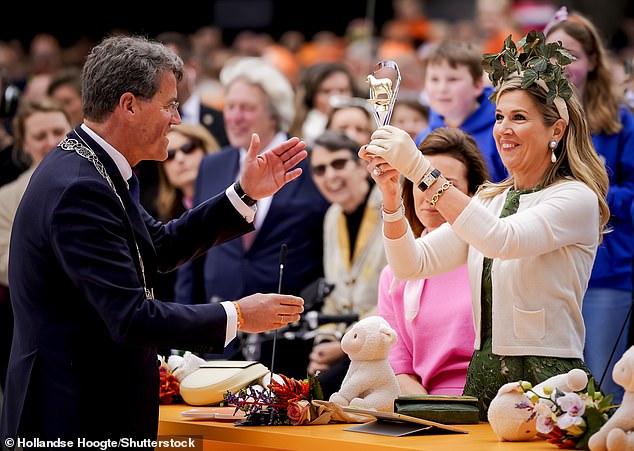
298 412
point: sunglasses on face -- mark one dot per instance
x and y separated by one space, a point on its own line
337 165
186 149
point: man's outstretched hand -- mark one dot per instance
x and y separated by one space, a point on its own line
264 174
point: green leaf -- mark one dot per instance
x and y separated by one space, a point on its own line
550 50
594 421
591 389
533 57
540 64
549 77
563 57
565 91
606 403
316 391
531 37
529 78
509 44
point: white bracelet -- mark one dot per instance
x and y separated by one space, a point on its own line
393 216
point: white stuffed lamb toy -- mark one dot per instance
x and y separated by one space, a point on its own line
370 382
618 433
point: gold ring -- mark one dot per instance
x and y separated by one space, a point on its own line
377 170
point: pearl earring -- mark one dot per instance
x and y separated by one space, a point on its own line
552 145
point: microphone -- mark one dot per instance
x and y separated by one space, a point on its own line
283 251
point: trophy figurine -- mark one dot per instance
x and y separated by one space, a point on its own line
384 83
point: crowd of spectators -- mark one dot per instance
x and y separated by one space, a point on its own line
321 69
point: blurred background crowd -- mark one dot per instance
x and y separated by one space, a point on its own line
325 51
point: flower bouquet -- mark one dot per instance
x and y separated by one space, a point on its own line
285 401
169 389
567 420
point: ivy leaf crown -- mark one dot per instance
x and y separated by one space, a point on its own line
532 59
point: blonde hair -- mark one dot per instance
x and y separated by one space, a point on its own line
169 202
576 156
27 107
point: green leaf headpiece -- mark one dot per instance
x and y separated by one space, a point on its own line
535 62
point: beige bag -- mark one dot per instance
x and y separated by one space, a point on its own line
208 384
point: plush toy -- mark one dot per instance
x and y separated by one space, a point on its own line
508 422
617 434
517 425
370 382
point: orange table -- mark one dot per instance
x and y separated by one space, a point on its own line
218 435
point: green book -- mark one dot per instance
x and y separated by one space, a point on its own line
440 408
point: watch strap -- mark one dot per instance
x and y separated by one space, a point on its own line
428 179
244 197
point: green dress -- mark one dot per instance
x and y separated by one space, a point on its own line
487 371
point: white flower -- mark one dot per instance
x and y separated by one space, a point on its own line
545 416
174 361
565 421
572 404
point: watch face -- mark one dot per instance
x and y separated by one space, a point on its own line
429 179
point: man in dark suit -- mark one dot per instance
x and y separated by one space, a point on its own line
258 99
84 256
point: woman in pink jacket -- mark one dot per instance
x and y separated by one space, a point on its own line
433 317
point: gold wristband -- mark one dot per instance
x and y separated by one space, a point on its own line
239 313
434 199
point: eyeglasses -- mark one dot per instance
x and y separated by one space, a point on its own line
185 148
337 165
171 107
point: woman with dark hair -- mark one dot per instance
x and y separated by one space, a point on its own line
319 83
432 316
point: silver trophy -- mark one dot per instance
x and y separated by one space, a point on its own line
384 83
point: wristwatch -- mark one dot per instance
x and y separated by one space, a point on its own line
244 197
429 179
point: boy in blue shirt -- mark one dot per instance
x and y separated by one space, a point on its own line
457 97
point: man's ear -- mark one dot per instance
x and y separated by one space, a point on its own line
128 102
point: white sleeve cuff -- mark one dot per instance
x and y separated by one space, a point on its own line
246 211
232 321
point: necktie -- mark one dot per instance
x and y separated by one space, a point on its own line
247 239
133 187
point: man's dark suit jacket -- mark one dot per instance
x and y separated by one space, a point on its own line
295 217
83 361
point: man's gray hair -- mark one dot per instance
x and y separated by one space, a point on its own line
121 64
278 89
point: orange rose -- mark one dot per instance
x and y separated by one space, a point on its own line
299 412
